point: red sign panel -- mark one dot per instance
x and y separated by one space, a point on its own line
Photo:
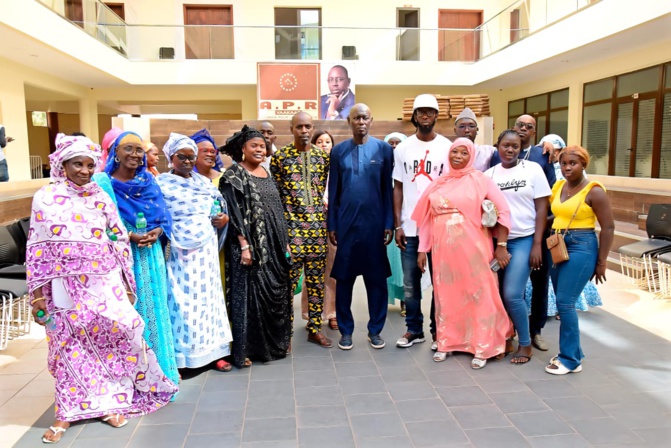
284 89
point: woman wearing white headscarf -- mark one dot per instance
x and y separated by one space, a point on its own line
79 275
195 295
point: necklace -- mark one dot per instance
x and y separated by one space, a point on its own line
571 190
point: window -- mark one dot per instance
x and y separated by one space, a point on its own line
298 34
39 119
207 32
549 109
627 123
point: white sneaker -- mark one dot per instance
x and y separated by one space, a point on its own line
557 368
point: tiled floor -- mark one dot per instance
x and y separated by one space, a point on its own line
389 398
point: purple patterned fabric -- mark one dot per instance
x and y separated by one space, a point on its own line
97 354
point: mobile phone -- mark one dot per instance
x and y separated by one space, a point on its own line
494 265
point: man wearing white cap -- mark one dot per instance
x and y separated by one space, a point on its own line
417 161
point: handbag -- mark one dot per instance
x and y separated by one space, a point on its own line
489 213
557 245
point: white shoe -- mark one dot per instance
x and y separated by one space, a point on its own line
557 368
434 346
477 363
439 356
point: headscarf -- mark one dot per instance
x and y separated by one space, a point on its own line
140 194
175 143
108 139
235 143
148 146
556 141
69 147
204 136
465 189
396 135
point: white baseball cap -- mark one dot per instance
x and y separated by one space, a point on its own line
425 100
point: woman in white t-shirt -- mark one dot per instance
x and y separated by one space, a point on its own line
526 189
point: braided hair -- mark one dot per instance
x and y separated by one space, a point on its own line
234 144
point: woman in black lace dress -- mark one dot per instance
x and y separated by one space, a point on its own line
257 262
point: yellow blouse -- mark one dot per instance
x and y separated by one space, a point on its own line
563 211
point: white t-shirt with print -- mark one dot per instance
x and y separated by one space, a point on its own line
520 185
416 164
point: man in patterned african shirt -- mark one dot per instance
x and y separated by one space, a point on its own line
300 170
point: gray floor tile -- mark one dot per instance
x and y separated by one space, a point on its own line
188 393
496 438
220 401
483 416
355 369
654 436
576 408
393 358
333 437
412 390
99 443
377 425
310 396
276 444
33 438
99 430
173 413
518 402
269 430
199 378
436 434
269 407
402 375
385 442
463 396
168 436
208 422
223 383
315 378
351 355
362 385
227 439
271 372
430 409
276 389
313 364
601 431
553 387
321 416
369 404
452 378
540 423
305 349
559 441
424 359
496 385
638 416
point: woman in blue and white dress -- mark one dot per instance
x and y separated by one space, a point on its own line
195 295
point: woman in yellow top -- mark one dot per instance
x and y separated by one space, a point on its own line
586 200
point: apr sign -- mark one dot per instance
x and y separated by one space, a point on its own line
284 89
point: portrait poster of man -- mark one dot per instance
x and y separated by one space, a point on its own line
337 92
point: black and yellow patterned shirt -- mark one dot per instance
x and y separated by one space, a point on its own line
301 179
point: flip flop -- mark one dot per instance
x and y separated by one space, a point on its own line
107 419
528 358
56 430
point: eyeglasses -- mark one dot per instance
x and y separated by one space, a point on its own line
426 112
183 158
470 127
522 125
130 150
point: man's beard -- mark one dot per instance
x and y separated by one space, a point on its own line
426 129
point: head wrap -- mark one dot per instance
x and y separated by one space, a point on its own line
108 139
556 141
69 147
462 141
396 135
140 194
177 142
235 143
148 145
466 113
204 136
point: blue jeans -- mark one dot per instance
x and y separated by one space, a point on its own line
4 171
569 279
514 281
412 288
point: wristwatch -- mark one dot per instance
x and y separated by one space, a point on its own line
502 244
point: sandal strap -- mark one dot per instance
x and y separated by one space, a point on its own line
57 429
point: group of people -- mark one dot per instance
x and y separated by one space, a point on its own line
138 275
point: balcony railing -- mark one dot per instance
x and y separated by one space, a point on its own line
265 43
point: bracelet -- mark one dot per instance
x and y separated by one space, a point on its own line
248 246
37 299
399 227
130 234
502 244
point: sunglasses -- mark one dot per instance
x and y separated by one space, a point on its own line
183 158
528 126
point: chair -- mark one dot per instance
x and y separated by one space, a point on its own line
664 269
638 260
15 316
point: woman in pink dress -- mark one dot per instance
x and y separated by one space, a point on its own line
469 312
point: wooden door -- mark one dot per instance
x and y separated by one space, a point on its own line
208 42
454 42
118 9
74 11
